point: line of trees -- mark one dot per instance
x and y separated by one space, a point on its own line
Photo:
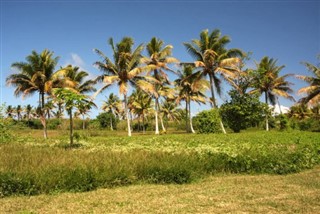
154 93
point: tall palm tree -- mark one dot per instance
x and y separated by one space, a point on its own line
266 80
159 57
214 60
112 105
123 70
313 89
191 88
35 75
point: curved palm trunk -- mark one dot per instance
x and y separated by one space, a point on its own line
43 117
214 104
156 115
267 121
161 120
127 114
190 119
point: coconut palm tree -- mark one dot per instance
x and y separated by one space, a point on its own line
19 111
124 70
213 59
73 78
170 111
48 109
313 89
35 75
112 105
10 111
141 105
191 88
159 57
28 110
266 80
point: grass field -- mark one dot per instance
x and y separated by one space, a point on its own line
175 173
294 193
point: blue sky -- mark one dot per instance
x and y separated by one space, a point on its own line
285 30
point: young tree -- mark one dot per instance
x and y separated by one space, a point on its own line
112 105
71 100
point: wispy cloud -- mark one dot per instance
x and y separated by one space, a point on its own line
76 60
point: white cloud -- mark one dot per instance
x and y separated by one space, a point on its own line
276 109
76 60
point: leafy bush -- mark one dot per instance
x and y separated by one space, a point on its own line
106 119
208 121
242 111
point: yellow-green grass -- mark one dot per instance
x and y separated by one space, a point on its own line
294 193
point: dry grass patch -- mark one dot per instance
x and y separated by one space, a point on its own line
295 193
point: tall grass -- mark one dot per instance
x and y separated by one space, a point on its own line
46 167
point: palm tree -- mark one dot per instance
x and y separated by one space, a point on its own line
112 105
124 70
28 110
313 89
266 80
19 111
141 105
299 111
48 109
158 59
214 60
191 88
35 75
10 111
170 111
71 77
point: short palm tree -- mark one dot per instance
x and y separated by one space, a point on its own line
35 75
10 111
214 60
141 106
112 105
313 89
266 80
124 70
191 88
19 112
158 59
170 111
28 110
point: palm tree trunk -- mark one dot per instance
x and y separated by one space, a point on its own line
111 126
143 128
187 119
127 114
83 123
156 116
267 122
71 128
43 117
214 103
161 120
190 119
279 106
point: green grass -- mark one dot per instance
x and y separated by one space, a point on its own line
228 193
32 166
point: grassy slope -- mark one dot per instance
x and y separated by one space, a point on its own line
295 193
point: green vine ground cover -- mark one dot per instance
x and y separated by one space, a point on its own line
32 166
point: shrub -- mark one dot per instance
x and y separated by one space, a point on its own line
208 121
